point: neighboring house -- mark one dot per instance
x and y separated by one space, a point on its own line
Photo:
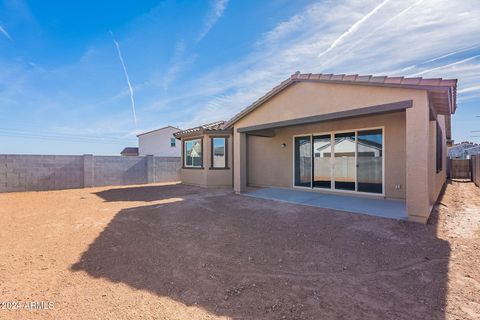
473 151
129 151
159 142
463 150
384 137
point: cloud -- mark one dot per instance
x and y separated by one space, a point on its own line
404 37
353 28
177 64
5 33
130 88
217 10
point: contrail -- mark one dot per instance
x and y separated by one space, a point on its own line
447 65
354 27
132 99
5 33
452 53
218 9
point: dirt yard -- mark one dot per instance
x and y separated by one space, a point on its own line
178 252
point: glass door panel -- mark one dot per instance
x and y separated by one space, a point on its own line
369 161
322 165
344 161
303 162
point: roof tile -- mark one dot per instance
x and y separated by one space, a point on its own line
363 78
378 79
350 77
411 80
394 80
325 76
337 77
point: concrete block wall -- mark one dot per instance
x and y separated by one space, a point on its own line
167 169
476 170
116 171
55 172
40 172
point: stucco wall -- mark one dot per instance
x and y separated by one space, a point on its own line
309 99
439 178
157 143
271 165
312 98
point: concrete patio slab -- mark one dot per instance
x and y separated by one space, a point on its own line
393 209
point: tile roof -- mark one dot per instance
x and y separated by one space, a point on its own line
159 129
401 82
213 126
129 151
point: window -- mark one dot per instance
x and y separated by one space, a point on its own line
219 152
349 161
173 142
193 153
439 149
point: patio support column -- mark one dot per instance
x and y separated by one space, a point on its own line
240 162
417 159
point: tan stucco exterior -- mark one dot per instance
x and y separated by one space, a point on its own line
208 176
408 139
270 164
265 158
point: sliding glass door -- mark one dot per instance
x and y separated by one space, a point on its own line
348 161
370 161
322 165
344 161
303 161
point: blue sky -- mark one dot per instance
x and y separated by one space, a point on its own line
63 89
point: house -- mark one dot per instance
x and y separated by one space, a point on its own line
129 151
473 151
206 155
159 142
380 137
463 150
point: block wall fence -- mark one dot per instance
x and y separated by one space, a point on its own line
56 172
476 170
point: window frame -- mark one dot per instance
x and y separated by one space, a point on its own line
439 148
332 133
173 142
184 162
212 149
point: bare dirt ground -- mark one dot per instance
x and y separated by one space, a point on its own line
178 252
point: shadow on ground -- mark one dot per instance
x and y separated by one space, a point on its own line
250 258
147 193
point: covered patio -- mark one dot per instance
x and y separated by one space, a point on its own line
385 208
